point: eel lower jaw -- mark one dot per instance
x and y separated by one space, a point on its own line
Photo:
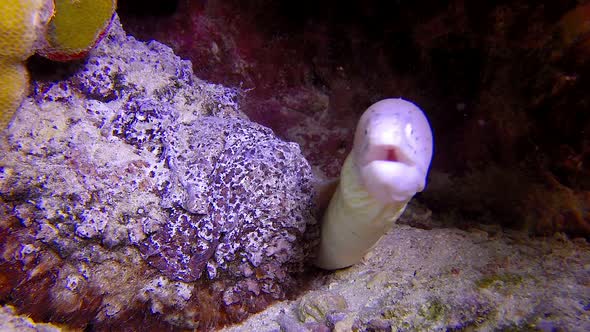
392 181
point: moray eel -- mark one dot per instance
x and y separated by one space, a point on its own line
388 164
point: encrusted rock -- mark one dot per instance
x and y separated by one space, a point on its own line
238 202
133 194
10 321
316 306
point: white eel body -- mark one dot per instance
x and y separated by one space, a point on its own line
388 164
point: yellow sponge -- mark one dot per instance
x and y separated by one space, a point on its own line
57 29
20 24
13 87
76 27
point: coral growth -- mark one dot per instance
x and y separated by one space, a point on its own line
133 195
21 23
76 27
14 78
57 29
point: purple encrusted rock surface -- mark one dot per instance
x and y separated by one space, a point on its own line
133 194
238 201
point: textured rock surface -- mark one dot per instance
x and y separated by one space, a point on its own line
10 321
125 179
444 279
482 278
239 202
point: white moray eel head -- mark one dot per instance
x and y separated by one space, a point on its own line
388 164
392 150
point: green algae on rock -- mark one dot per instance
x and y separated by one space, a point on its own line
432 284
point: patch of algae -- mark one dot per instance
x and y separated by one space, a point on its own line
433 310
498 281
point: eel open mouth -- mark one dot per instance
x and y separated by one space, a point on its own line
391 154
386 152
